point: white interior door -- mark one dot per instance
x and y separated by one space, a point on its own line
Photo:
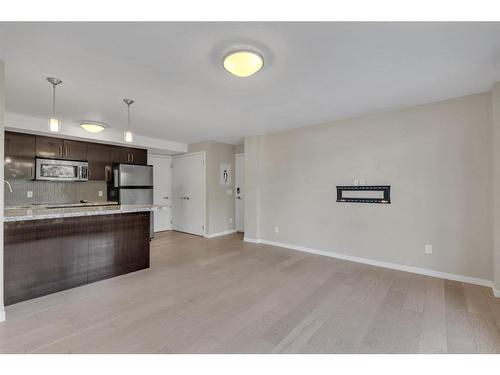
239 194
188 193
162 191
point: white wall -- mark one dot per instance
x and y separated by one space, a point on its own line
2 111
220 205
72 129
436 157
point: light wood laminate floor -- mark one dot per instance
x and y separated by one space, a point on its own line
223 295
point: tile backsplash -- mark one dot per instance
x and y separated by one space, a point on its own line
53 192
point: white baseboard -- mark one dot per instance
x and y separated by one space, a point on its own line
212 235
2 315
252 240
372 262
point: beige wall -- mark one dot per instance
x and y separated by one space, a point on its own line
436 157
220 204
495 106
2 111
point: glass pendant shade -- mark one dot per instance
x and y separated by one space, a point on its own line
128 136
54 125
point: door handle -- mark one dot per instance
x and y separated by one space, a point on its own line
238 197
165 197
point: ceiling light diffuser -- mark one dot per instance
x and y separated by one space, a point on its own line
243 63
93 127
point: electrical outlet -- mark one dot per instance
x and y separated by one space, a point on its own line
100 193
230 220
276 229
29 194
428 249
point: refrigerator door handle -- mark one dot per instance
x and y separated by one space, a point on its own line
115 177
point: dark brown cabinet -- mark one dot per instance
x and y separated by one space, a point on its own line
48 147
47 256
74 150
56 148
19 154
19 145
99 158
129 155
138 156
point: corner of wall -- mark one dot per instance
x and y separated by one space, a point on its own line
2 112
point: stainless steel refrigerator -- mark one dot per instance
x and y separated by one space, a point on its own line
132 184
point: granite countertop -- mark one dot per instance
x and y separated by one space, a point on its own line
42 212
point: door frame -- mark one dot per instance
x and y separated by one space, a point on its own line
204 154
241 154
167 157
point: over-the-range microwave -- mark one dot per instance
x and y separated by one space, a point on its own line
61 170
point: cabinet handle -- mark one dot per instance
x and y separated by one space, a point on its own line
60 151
132 157
66 150
32 175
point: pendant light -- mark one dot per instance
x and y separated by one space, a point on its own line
128 135
54 123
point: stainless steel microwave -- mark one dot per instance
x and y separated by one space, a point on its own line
61 170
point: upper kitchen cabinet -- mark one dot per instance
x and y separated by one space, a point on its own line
19 145
56 148
138 156
129 155
19 155
47 147
99 157
74 150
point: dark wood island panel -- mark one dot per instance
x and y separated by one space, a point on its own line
46 256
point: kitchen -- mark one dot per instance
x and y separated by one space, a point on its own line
76 212
83 201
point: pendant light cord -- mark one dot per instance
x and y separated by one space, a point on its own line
128 115
53 99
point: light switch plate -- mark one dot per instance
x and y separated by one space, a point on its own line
230 220
29 194
100 193
428 249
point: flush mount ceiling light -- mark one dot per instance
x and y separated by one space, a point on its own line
243 63
54 123
93 126
128 136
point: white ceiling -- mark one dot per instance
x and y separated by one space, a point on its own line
314 72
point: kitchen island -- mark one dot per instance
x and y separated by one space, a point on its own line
47 250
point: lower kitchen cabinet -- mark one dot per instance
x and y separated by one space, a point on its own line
117 245
46 256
